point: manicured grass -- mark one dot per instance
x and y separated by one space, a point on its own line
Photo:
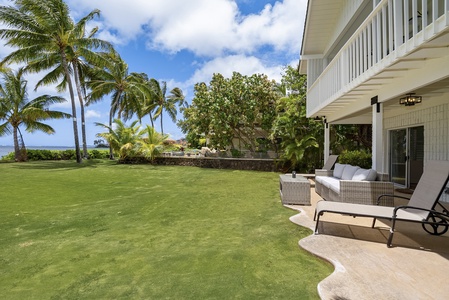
105 231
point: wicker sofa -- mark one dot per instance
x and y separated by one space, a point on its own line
352 184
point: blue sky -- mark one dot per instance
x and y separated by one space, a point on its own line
182 42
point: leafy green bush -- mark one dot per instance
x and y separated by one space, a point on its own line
98 154
42 155
360 158
8 157
236 153
69 154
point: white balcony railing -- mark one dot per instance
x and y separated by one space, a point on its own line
393 29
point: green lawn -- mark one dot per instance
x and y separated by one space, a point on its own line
105 231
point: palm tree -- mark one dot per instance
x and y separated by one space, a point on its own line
16 110
39 30
166 103
152 144
124 140
78 56
128 90
148 104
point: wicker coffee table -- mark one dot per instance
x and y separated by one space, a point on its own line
294 190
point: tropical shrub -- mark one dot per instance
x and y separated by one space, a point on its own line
236 153
130 141
44 154
359 158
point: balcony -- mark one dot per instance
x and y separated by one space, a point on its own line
392 42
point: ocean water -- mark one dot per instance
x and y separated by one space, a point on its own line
4 150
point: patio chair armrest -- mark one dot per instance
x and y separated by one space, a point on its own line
438 213
390 195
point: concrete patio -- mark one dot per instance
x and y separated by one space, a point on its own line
417 266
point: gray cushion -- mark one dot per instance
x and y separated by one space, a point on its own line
338 170
348 172
365 175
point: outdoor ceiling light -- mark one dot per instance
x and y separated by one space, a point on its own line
318 118
410 99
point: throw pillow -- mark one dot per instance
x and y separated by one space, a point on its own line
338 170
348 172
365 175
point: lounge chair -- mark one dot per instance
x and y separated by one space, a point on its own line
330 162
420 208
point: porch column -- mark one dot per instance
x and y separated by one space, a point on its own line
326 140
377 142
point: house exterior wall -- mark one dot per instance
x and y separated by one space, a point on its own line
435 120
349 9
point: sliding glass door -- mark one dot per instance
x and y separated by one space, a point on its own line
406 155
398 156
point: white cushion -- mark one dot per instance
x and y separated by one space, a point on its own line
348 172
320 179
331 181
335 188
338 170
365 175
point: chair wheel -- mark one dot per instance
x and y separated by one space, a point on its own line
440 227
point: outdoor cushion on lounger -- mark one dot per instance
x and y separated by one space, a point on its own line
421 207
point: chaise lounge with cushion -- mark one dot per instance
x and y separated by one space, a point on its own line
421 207
352 184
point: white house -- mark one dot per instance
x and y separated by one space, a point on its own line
363 58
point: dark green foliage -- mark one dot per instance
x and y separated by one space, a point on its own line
351 137
229 112
98 154
70 154
236 153
301 138
360 158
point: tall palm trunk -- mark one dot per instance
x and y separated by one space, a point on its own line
72 99
16 145
83 119
151 119
20 152
111 115
162 127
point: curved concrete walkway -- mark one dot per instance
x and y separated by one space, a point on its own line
417 267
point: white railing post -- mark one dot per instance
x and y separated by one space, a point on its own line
384 32
406 27
378 38
424 14
390 26
415 17
369 46
446 11
399 34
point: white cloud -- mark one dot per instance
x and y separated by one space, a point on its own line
205 27
246 65
92 114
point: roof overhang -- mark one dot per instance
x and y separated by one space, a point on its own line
320 23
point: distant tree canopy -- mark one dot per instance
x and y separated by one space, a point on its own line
231 108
